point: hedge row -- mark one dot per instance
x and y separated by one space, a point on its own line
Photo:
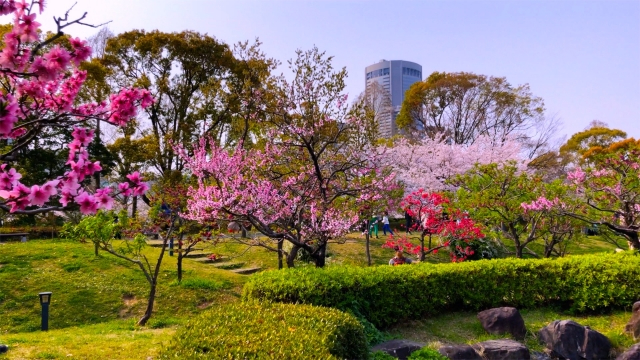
269 331
385 294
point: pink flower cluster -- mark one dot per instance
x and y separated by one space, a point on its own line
45 86
577 176
123 105
19 196
542 204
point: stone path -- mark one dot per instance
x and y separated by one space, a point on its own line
202 256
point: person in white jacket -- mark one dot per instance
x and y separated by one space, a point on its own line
385 224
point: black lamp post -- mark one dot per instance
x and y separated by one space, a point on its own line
45 299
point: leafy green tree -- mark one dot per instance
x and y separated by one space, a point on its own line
584 146
200 85
462 106
493 194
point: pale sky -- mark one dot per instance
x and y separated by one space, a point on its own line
582 57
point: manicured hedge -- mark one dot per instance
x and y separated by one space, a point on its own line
269 331
386 294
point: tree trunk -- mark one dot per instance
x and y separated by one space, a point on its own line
150 301
422 245
634 242
321 255
179 266
519 251
95 248
180 256
134 207
366 244
153 280
292 256
280 241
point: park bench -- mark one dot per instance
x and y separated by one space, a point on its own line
22 236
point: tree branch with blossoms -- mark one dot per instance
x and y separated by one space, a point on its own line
42 92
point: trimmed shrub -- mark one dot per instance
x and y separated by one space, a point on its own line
426 354
386 294
269 331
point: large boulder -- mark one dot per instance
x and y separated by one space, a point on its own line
502 350
633 353
503 320
569 340
633 326
459 352
400 349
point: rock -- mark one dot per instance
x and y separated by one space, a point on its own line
3 348
502 350
459 352
398 348
503 320
535 355
633 353
633 326
572 341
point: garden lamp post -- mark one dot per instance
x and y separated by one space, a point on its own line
45 299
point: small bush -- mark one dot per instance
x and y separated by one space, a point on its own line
385 295
269 331
426 354
381 355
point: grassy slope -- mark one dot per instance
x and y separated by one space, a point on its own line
96 300
106 293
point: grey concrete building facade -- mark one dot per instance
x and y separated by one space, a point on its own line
395 76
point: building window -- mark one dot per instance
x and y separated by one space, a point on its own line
377 73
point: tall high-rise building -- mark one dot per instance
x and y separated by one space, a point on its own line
394 76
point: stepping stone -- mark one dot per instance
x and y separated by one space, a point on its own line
246 271
206 260
228 265
196 254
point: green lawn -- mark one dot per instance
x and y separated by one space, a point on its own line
97 300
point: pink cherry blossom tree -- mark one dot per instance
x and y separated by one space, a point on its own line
40 84
609 193
429 163
308 182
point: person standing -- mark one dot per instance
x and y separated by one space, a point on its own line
408 221
385 224
373 226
